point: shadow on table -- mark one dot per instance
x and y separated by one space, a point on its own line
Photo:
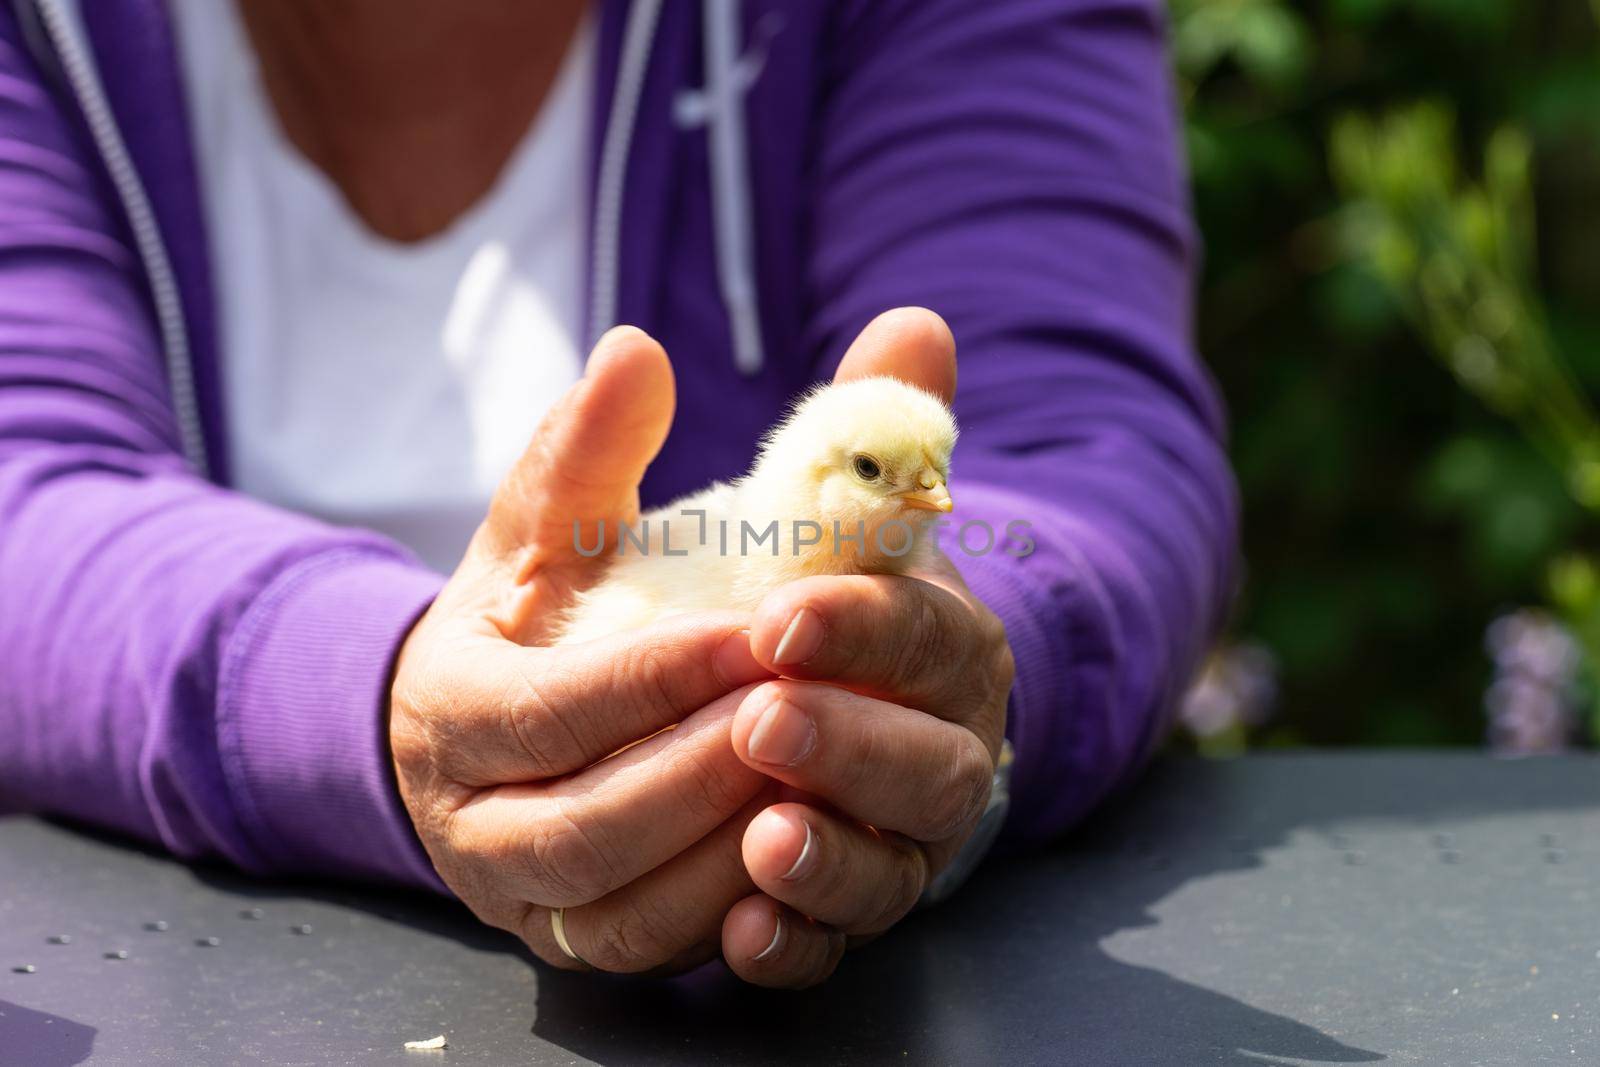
1013 970
48 1040
1010 971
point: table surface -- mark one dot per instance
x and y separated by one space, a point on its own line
1329 908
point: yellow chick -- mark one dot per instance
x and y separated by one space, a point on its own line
847 484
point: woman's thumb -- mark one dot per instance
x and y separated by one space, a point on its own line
909 343
587 457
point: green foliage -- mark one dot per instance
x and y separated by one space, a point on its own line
1267 42
1401 203
1458 256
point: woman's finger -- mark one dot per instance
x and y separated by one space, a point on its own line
768 944
855 879
890 636
575 839
889 766
523 714
670 918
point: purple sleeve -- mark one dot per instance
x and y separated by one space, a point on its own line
1015 166
176 660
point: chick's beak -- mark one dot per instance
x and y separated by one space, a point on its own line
930 494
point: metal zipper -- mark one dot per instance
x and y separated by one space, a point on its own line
637 36
65 32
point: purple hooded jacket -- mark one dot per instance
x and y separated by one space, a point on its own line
197 668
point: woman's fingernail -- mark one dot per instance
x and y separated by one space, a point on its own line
783 736
734 663
806 860
780 934
801 640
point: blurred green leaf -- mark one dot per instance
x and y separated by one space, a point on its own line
1408 347
1265 39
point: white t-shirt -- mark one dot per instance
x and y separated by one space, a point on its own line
370 382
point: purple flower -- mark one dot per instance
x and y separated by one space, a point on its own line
1530 703
1238 687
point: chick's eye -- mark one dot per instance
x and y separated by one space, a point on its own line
866 467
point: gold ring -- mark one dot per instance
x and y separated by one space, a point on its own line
558 927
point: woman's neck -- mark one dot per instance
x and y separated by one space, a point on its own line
411 107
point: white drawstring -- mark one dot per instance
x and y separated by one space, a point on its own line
730 191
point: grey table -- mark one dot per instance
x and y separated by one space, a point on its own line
1429 908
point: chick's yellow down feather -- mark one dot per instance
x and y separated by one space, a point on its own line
848 483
